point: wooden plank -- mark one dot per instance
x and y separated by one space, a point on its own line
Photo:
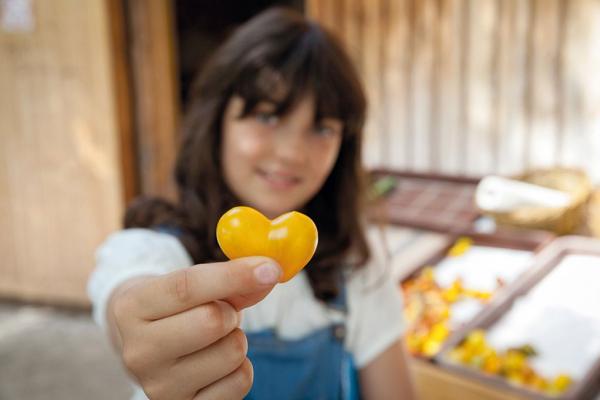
512 74
424 31
311 8
408 69
127 144
581 60
501 70
339 8
155 93
396 87
575 40
529 82
465 44
448 55
351 33
543 107
479 106
322 12
560 77
383 65
435 91
367 13
496 83
60 180
592 84
433 382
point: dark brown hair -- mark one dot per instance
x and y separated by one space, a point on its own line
277 56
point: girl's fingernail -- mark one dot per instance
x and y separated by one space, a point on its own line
267 273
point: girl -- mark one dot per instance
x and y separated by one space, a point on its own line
275 123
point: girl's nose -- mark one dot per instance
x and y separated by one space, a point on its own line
292 144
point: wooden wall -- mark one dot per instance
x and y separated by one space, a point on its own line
475 86
61 167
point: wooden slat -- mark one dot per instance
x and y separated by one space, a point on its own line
436 383
435 149
464 40
542 149
592 99
575 43
312 9
395 95
60 182
423 56
351 33
560 78
127 143
501 78
364 63
407 69
371 43
383 128
496 82
448 58
482 24
154 89
581 57
530 83
513 75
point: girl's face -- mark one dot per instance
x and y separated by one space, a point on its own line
277 163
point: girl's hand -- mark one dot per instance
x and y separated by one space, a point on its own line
178 333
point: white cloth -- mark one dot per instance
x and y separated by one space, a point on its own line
374 318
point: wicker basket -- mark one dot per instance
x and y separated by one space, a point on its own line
562 220
593 214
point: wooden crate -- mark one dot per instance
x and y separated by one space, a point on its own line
546 262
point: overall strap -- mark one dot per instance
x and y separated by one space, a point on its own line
350 389
340 302
168 229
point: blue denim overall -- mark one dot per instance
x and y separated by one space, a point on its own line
315 367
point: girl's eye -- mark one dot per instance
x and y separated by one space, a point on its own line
325 130
267 118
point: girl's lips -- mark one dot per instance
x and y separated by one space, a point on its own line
279 180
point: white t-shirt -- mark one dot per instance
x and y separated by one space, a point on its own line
374 315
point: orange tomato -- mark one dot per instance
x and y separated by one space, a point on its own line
290 239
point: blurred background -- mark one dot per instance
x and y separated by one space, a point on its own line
92 93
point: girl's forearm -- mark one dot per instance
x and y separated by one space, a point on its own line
388 376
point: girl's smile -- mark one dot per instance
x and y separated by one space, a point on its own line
278 180
277 163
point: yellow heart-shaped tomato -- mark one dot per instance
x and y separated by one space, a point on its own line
290 239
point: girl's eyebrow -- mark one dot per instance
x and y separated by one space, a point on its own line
268 105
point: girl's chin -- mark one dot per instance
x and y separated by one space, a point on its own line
274 212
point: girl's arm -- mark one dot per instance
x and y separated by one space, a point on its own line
388 376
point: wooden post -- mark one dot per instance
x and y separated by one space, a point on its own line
155 102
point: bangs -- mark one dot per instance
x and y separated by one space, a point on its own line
308 64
